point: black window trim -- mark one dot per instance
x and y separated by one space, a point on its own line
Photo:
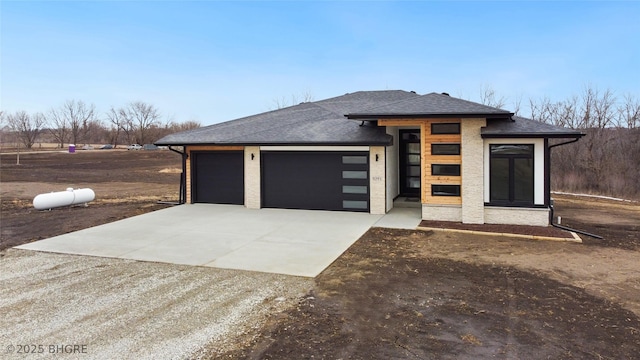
436 144
457 132
520 204
439 195
434 174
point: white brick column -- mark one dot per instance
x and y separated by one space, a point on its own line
377 180
472 171
252 194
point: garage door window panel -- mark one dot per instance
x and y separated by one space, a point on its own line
355 204
354 159
355 174
355 189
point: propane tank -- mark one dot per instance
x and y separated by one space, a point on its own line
63 198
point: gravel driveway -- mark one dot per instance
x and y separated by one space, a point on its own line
103 308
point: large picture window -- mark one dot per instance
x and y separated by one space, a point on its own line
511 174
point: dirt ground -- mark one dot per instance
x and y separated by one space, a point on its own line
393 294
126 183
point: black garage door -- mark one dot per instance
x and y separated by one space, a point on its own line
316 180
218 177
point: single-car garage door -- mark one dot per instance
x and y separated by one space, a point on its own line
218 177
315 180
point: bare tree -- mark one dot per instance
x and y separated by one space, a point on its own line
167 127
629 113
603 109
283 102
562 113
4 128
541 110
77 115
93 131
488 97
58 126
517 104
118 120
26 126
143 117
187 125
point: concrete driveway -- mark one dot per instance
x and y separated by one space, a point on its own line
290 242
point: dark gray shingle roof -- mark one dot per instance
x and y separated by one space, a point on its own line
523 127
431 105
320 122
323 122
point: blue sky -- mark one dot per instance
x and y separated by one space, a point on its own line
213 61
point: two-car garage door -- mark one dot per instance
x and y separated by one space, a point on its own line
315 180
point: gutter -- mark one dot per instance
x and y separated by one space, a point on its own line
182 192
551 202
371 116
566 142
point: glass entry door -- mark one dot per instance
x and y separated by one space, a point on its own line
410 163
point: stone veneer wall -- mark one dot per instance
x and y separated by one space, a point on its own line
377 183
516 216
442 212
252 195
472 171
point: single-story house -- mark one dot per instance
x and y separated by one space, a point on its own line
463 161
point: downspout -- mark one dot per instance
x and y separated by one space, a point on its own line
548 164
182 195
572 230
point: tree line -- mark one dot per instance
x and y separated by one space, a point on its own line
607 160
76 122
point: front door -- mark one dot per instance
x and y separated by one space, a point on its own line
410 163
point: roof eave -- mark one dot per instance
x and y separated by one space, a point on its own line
532 135
367 116
296 143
